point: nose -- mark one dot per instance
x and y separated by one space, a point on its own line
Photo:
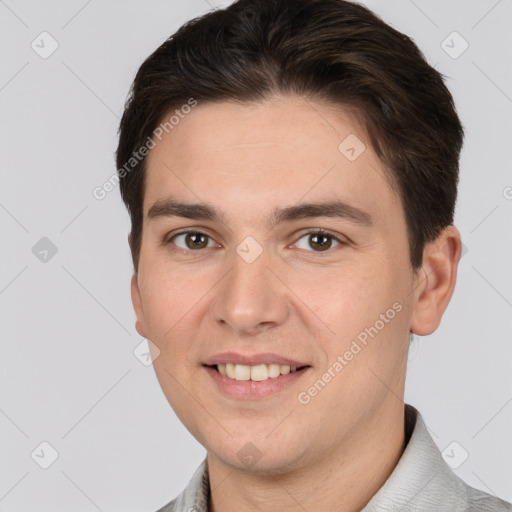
250 299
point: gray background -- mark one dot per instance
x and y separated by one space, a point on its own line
69 376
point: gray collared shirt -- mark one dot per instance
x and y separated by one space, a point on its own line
420 482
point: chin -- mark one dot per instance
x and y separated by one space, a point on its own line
258 458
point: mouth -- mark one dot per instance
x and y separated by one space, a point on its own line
254 376
256 373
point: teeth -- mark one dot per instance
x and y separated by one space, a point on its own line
274 370
258 372
230 370
242 372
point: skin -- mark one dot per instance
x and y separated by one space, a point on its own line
335 452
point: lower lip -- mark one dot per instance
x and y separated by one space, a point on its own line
250 389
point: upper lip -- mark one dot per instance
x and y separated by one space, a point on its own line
253 359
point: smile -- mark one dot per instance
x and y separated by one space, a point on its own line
252 382
259 372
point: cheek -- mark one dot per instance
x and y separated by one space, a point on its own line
365 310
344 299
175 303
166 298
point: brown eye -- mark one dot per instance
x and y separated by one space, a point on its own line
193 240
319 241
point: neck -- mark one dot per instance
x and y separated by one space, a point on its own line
345 480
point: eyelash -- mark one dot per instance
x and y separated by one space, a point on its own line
319 231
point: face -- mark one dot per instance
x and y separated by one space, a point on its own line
248 276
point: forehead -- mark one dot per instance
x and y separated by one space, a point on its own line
258 155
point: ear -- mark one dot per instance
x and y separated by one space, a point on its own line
137 306
435 281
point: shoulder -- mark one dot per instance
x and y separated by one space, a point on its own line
479 501
452 492
170 507
194 498
423 481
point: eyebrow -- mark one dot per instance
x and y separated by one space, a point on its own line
201 211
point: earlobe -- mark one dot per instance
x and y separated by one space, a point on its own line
137 306
435 281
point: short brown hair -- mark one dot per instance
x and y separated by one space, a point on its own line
332 50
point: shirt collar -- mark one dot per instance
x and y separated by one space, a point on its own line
421 480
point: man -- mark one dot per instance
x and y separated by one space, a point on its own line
290 169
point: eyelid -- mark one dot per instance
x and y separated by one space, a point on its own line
168 238
322 231
307 231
